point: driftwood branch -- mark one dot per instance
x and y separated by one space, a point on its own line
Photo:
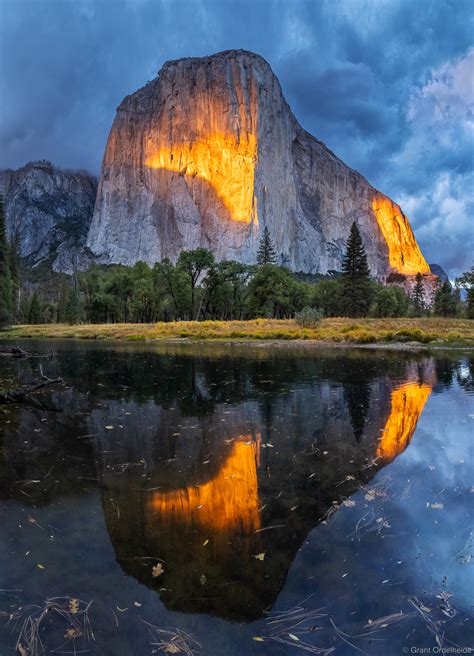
22 394
13 352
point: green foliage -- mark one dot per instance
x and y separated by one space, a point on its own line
72 311
266 250
6 294
199 288
35 312
308 317
327 296
419 295
356 288
193 264
389 302
466 282
274 293
445 301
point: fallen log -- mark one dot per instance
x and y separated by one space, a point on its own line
14 352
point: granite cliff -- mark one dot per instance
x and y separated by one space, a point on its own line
209 152
50 210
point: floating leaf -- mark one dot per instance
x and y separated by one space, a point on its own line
157 570
257 639
437 506
74 606
109 427
293 637
40 566
260 556
205 542
172 648
72 633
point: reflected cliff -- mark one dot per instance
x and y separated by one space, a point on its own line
215 464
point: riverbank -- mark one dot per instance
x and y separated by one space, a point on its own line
400 333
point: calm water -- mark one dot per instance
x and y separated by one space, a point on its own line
263 502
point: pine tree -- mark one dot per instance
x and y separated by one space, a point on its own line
266 250
419 294
5 277
73 309
445 302
35 312
16 275
356 286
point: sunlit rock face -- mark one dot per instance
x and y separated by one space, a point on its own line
209 153
50 209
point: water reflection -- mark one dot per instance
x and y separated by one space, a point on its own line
217 466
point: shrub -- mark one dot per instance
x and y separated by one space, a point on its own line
308 317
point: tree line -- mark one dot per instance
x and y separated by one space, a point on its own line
197 287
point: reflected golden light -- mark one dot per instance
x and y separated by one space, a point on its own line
407 403
227 502
403 251
224 161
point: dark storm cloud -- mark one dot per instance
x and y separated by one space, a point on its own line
359 74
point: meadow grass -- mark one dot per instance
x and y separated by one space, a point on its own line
432 331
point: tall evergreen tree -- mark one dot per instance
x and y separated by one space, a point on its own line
16 275
356 285
419 294
5 277
72 312
445 302
35 312
266 250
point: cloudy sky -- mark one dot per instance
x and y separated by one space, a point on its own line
386 84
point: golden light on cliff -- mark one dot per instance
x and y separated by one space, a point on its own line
227 502
407 403
403 251
225 162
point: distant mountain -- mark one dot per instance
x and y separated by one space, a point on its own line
51 211
438 270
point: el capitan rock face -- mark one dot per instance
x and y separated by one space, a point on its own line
209 153
50 209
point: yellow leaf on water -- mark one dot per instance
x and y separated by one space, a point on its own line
121 610
260 556
157 570
205 542
172 648
74 606
40 566
257 639
293 637
109 427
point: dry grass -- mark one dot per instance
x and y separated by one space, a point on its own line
435 331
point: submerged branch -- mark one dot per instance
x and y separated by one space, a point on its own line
22 394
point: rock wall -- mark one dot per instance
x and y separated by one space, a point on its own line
51 211
209 153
